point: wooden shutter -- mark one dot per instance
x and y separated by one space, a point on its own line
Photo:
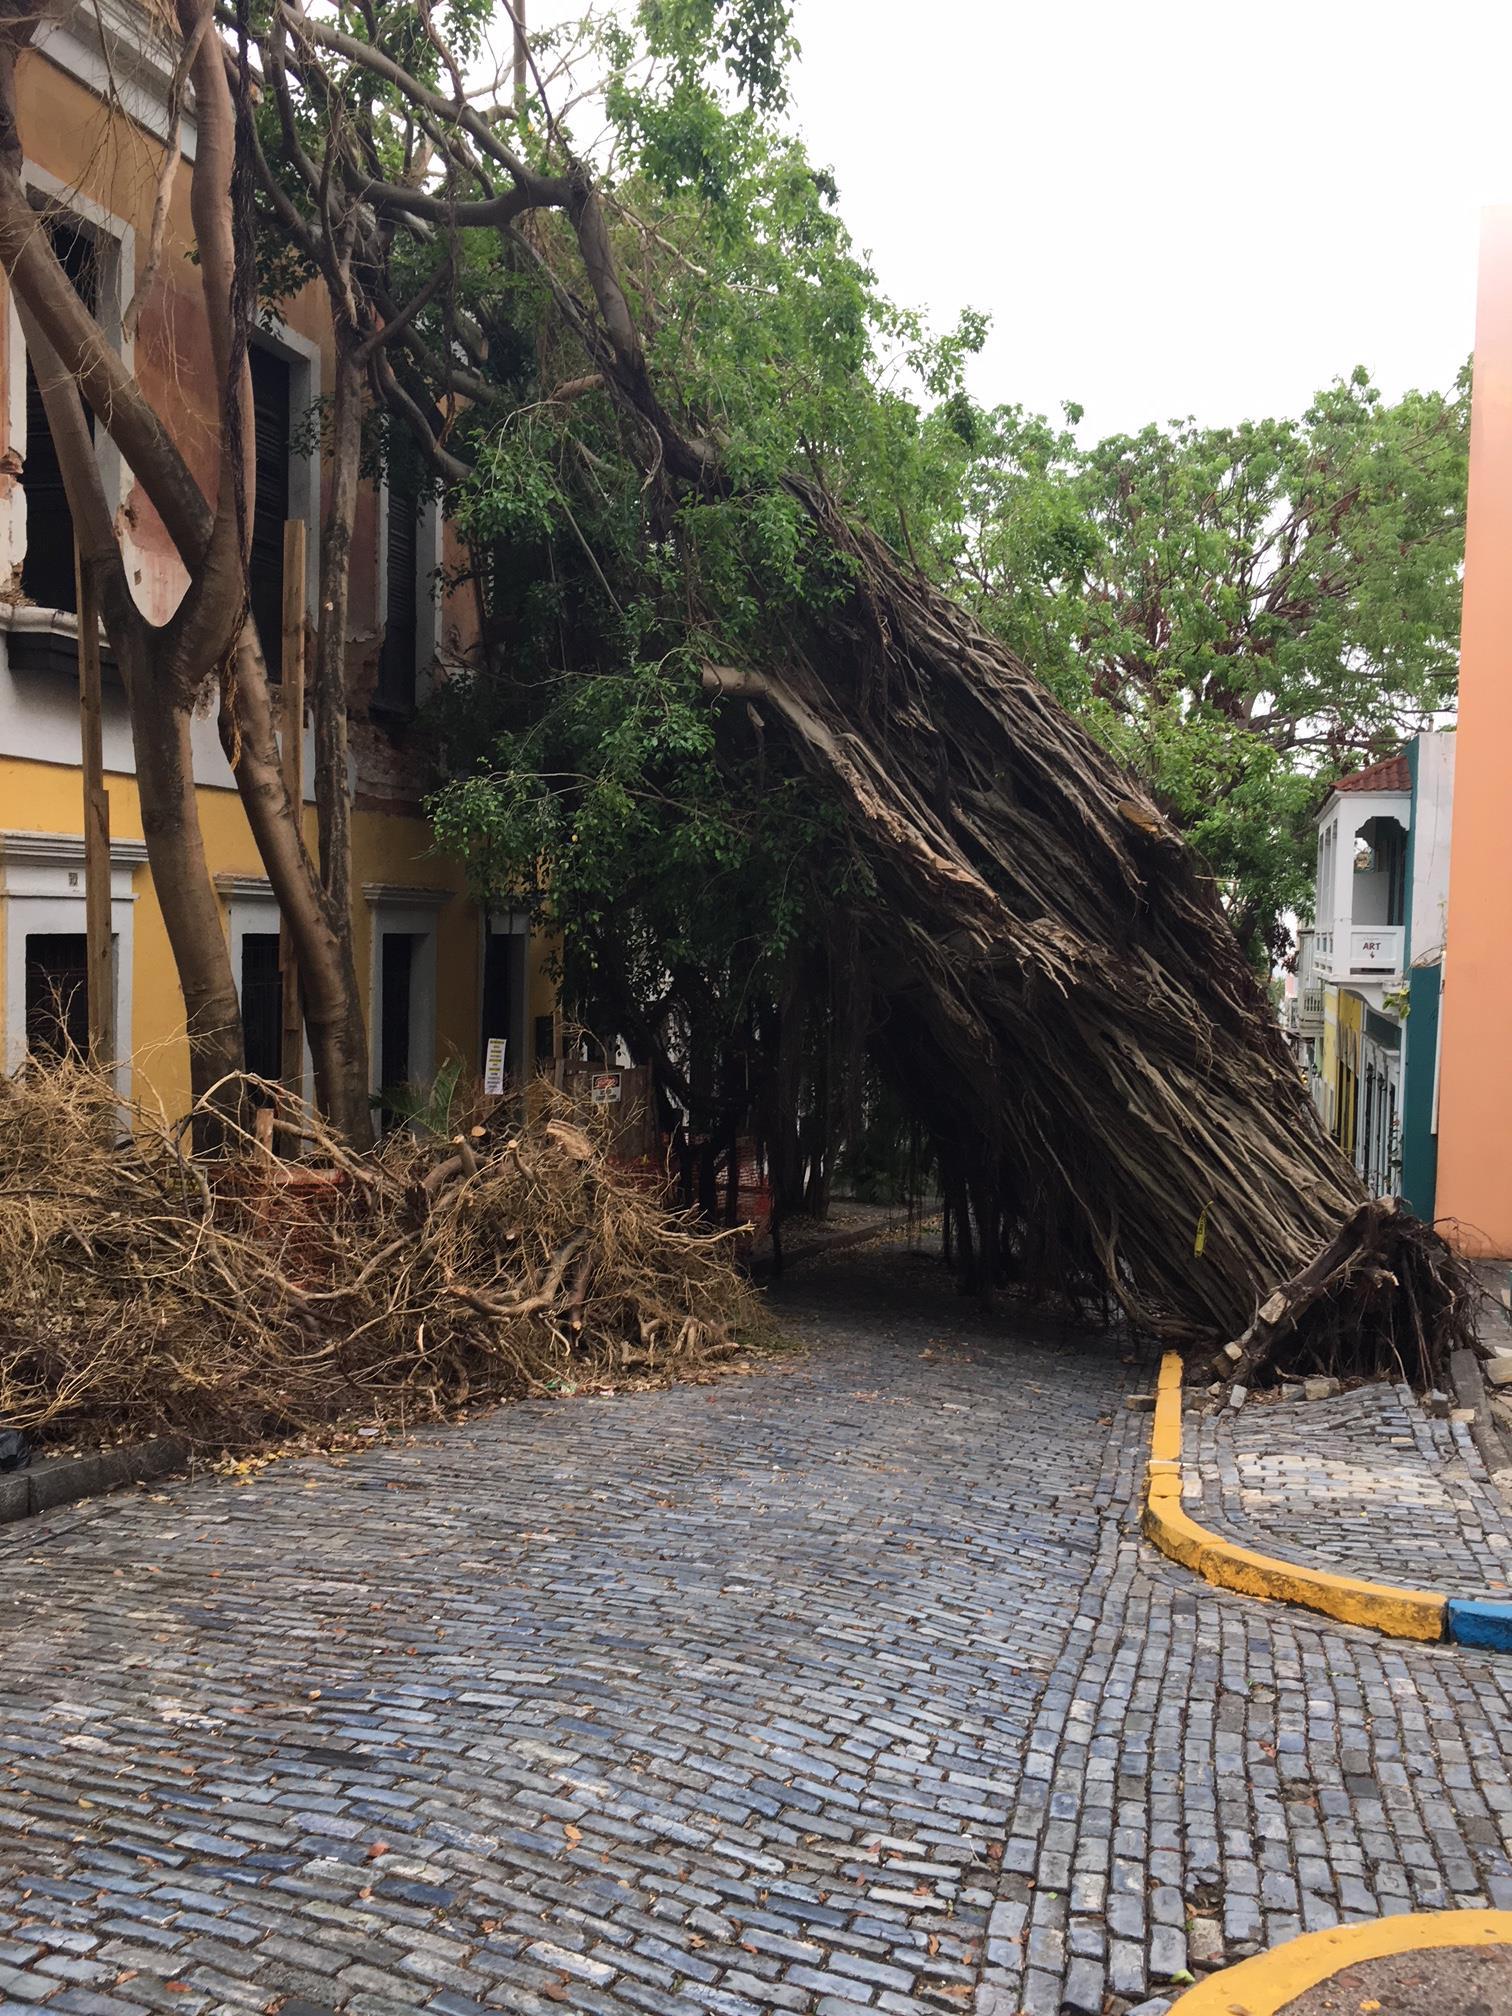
397 665
47 571
262 1003
57 994
270 419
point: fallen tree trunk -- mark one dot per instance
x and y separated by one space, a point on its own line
1072 1008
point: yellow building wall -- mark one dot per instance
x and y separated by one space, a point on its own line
387 848
70 133
97 154
1347 1069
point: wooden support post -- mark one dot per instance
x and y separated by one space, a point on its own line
521 55
293 673
98 962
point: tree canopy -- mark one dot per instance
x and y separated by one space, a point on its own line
1240 612
1236 612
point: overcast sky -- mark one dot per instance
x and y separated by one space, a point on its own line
1171 206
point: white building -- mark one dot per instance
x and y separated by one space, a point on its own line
1382 896
1361 911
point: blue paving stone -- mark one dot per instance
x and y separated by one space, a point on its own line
1484 1624
845 1684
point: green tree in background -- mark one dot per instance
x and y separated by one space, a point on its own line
1241 612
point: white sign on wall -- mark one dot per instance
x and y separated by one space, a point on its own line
493 1066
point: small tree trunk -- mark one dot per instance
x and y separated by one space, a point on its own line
786 1151
332 793
181 878
327 971
321 933
960 1215
159 698
984 1209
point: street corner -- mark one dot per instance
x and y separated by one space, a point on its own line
1362 1506
1429 1963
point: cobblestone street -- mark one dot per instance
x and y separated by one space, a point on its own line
1366 1483
845 1685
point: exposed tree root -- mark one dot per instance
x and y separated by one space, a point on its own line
1386 1288
1063 1003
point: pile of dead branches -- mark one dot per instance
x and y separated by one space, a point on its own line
142 1288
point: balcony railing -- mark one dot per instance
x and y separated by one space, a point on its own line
1375 949
1310 1004
1365 952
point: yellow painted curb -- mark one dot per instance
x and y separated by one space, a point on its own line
1401 1613
1165 1438
1263 1986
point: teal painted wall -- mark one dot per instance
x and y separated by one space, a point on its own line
1419 1142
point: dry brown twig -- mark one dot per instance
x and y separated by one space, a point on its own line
247 1298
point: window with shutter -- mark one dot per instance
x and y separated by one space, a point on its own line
397 663
270 510
395 976
47 571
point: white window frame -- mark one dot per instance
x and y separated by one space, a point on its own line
429 560
42 890
397 911
108 47
117 278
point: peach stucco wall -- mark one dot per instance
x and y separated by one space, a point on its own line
1475 1085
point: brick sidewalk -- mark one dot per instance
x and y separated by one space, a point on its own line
845 1686
1365 1483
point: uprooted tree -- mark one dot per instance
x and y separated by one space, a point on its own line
1015 936
1029 952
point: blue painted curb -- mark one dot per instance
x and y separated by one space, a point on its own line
1488 1625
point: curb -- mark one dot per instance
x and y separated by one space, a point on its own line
62 1480
1264 1985
1470 1391
1399 1613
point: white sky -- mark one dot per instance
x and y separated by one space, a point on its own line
1171 206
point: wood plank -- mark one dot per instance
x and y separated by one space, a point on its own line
99 958
293 669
